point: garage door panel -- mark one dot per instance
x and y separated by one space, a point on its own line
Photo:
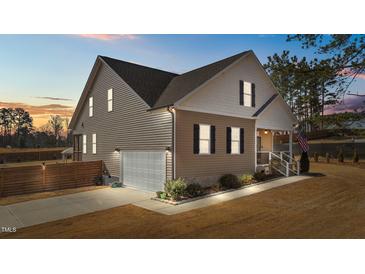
144 169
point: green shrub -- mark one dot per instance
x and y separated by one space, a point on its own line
260 175
340 157
315 156
175 188
194 190
246 179
158 193
116 184
163 195
229 181
328 157
355 158
304 162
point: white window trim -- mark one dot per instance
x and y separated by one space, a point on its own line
235 141
110 99
247 94
84 144
91 106
210 128
94 143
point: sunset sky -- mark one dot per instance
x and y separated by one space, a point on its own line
45 74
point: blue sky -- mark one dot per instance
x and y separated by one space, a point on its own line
36 66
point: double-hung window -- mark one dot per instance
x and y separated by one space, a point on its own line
94 143
110 100
235 140
247 93
204 139
91 107
84 139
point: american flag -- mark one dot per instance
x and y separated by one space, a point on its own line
302 141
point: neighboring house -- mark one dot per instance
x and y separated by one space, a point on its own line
149 125
67 153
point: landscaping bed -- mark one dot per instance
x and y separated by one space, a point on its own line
178 192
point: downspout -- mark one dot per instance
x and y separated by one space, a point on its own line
173 122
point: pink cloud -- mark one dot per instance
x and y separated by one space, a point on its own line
348 72
108 37
350 103
361 76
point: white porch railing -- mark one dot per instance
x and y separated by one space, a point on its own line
280 161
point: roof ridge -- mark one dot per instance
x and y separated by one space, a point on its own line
143 66
218 61
183 84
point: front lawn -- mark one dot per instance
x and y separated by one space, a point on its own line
332 206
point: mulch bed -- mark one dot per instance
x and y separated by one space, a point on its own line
215 190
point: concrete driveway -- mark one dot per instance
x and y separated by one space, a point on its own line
51 209
46 210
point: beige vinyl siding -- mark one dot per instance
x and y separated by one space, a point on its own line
221 94
128 127
206 169
276 116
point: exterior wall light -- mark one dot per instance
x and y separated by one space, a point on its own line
168 149
266 132
117 149
43 166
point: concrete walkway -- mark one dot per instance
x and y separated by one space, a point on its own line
51 209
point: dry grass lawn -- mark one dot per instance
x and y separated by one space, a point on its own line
322 207
42 195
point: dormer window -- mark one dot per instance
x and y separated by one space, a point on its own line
247 94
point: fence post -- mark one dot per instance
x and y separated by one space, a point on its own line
298 167
43 176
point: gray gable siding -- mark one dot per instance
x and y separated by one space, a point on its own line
128 127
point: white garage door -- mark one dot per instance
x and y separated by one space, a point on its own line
144 169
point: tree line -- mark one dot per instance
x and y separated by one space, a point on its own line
17 130
309 85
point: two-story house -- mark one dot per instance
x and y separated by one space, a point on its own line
149 125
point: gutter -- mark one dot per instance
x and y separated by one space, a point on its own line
173 120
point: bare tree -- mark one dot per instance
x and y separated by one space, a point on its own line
56 125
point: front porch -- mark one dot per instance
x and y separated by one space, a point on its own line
270 160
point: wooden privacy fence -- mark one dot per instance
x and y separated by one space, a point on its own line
30 155
31 179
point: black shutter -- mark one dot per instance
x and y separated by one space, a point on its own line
241 92
196 139
212 139
253 95
242 140
229 140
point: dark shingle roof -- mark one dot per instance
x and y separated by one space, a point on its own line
183 84
262 108
160 88
147 82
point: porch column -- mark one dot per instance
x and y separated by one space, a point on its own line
291 145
